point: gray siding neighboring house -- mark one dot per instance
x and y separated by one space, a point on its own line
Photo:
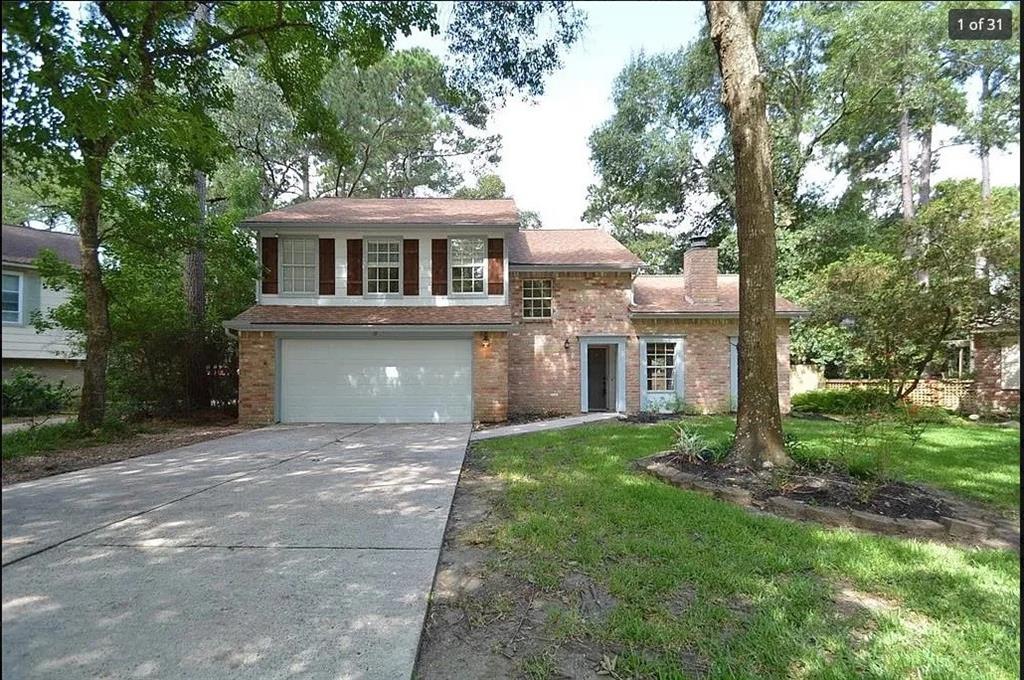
52 354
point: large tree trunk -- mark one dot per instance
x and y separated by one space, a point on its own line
984 148
194 277
194 284
734 28
92 407
906 181
924 192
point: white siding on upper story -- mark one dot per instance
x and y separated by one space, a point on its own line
21 341
424 299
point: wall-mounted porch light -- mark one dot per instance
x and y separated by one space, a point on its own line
566 344
486 341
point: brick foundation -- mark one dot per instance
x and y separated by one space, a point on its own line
256 377
490 377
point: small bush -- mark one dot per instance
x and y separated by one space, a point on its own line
692 446
844 402
27 394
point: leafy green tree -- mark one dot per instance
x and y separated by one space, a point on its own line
896 326
487 186
112 97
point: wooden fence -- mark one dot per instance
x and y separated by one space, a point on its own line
929 392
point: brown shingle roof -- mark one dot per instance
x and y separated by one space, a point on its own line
569 248
664 295
394 211
23 244
467 315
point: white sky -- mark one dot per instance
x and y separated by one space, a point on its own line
545 159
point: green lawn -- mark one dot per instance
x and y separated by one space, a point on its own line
45 439
754 596
974 460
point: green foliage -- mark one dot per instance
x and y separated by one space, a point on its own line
843 401
42 439
27 394
487 186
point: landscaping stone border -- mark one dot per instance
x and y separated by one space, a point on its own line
948 527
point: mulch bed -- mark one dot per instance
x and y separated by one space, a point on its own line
25 468
826 488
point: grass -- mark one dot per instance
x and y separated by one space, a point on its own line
45 439
974 460
761 593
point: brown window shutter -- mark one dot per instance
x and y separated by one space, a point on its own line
410 267
495 266
439 266
269 253
326 255
355 266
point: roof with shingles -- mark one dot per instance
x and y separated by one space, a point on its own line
569 248
309 315
663 294
22 245
454 212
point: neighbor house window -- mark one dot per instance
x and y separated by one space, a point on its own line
298 265
661 366
12 298
1010 361
537 299
468 261
383 267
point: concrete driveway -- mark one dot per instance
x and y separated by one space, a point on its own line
291 551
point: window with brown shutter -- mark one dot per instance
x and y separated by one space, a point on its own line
354 253
410 267
269 253
439 266
495 266
326 256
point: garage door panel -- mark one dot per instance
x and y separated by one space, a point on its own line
376 380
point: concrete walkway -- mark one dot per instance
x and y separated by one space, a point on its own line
38 420
542 425
292 551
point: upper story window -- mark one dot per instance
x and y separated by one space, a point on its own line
298 265
537 299
12 298
468 263
383 267
661 366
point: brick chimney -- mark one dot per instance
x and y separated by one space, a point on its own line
700 272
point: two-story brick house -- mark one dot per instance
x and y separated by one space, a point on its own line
443 310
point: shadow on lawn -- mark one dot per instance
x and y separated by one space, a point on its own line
762 592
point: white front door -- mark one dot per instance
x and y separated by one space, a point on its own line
376 381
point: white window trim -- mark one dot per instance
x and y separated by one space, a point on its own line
366 266
551 302
451 266
1004 351
679 375
315 238
21 299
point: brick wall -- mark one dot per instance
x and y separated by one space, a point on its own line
987 393
256 368
543 376
706 359
490 377
700 274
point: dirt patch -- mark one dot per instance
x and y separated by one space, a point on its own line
485 622
170 436
824 488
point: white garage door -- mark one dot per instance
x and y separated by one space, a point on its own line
376 381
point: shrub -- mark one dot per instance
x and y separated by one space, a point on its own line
692 446
844 402
27 394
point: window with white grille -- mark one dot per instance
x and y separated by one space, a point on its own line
468 258
537 299
383 267
661 366
298 265
1011 367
